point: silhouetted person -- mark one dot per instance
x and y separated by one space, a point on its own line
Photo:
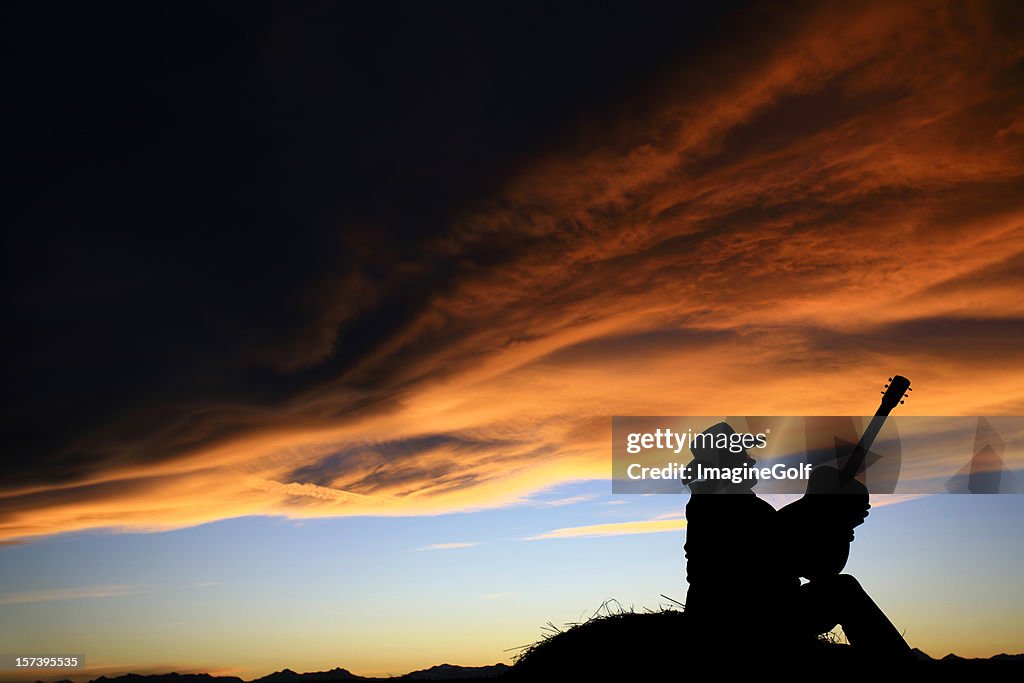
730 542
744 566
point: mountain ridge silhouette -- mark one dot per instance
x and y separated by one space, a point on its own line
438 672
650 646
996 667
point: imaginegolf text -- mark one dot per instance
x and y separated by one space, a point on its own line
734 474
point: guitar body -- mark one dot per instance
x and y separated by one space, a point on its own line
816 531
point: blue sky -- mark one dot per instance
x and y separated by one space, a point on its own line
374 596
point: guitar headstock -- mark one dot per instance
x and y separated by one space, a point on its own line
895 393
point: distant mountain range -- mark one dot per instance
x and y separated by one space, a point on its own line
449 672
925 657
441 672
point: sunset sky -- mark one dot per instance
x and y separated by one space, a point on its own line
317 316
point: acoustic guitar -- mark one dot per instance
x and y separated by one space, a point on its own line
817 529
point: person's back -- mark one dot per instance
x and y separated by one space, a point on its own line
732 568
729 555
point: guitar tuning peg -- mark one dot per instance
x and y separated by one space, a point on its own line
881 392
890 379
901 402
886 386
909 389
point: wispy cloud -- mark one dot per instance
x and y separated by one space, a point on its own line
446 546
649 526
570 500
498 596
76 593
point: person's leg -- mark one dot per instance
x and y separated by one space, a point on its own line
840 599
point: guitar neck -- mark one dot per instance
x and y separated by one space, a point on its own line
856 459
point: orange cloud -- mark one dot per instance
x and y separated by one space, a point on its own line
788 222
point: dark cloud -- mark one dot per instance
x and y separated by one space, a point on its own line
232 204
389 463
